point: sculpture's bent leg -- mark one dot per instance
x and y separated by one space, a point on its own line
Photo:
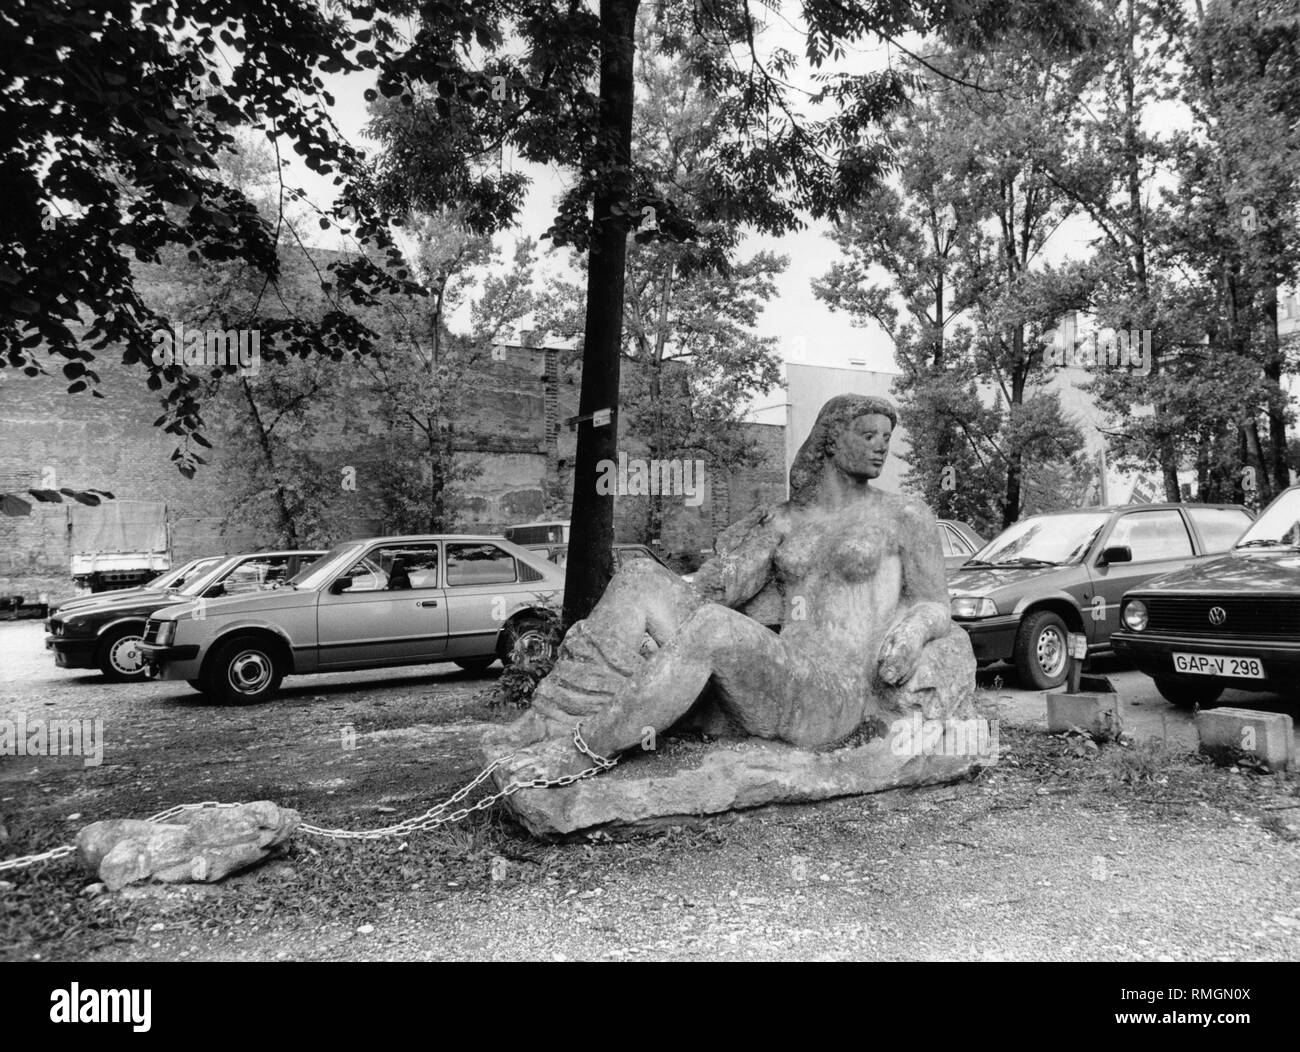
601 654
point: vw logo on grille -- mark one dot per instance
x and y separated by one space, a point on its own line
1218 615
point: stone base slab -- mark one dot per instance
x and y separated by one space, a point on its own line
691 778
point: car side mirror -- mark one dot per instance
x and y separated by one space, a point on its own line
1119 553
340 584
213 591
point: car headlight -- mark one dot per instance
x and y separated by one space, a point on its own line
166 632
1135 615
973 606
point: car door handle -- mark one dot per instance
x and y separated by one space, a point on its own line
427 602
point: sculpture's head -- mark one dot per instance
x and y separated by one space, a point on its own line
851 433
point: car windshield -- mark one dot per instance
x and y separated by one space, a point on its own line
1051 540
322 569
179 578
196 583
165 580
1278 526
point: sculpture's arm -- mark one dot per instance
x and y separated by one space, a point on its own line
927 612
743 563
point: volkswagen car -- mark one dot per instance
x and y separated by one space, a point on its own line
1047 576
1233 621
376 603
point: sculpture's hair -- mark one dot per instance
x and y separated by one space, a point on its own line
807 471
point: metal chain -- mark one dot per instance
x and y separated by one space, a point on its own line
431 818
435 817
53 855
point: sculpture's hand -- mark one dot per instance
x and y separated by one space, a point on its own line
901 652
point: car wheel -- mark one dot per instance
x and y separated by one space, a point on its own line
476 664
1042 652
198 685
243 672
1187 693
119 656
528 641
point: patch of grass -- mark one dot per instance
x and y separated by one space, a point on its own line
1140 762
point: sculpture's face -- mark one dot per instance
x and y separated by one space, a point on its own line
861 448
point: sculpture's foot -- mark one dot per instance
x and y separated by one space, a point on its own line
550 758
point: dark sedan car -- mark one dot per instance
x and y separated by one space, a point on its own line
107 635
1050 575
1233 621
171 580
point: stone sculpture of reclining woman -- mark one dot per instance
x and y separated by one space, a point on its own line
853 576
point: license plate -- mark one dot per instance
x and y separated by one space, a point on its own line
1219 665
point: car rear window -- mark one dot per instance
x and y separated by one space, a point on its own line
479 564
1219 527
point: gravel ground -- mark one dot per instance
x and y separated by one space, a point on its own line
1061 852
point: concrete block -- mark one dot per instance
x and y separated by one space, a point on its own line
1094 711
1229 733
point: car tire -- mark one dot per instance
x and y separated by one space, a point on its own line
475 664
1042 653
118 655
198 685
1188 694
243 671
529 639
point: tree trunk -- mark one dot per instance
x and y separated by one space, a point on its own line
1203 469
1015 457
289 530
591 558
659 444
1255 450
1277 398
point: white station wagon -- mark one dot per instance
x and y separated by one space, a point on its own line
374 603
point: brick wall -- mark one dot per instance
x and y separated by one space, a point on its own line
511 424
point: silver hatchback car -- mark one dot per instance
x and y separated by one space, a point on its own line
386 601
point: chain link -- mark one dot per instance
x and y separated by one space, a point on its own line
431 818
435 816
53 855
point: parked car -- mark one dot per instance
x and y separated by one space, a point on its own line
170 580
376 603
106 634
1233 621
1050 575
553 531
958 542
623 554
